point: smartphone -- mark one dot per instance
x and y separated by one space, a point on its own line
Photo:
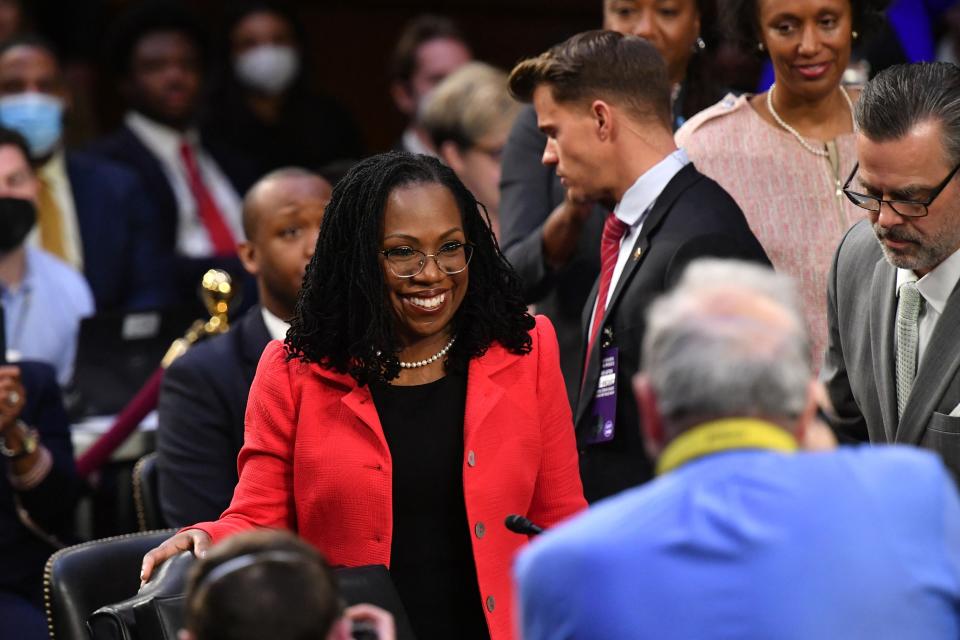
363 630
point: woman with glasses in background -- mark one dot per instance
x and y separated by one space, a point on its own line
783 155
414 405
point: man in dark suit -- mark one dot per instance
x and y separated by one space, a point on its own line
194 181
603 101
552 241
93 213
37 475
892 367
204 394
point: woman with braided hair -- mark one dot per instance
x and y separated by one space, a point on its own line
414 405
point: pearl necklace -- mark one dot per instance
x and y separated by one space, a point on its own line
796 134
433 358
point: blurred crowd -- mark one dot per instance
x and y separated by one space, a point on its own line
741 115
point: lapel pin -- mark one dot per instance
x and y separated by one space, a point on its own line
637 254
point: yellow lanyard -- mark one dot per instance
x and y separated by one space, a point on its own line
724 435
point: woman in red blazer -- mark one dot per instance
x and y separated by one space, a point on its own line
414 405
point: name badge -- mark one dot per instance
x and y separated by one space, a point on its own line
603 427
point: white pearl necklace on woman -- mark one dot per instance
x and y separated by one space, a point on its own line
796 134
433 358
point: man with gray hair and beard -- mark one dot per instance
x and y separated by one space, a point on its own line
892 367
742 535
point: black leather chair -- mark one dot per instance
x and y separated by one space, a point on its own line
80 579
146 495
154 613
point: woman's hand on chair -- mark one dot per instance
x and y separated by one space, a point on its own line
190 540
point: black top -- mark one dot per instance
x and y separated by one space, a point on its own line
431 559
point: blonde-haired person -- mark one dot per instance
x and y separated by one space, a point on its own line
468 117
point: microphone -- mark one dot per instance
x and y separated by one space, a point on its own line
521 525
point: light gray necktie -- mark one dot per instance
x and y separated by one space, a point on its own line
908 338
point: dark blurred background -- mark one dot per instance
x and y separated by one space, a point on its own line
348 44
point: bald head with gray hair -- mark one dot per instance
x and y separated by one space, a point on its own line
727 341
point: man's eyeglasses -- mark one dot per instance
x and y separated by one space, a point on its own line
905 208
406 262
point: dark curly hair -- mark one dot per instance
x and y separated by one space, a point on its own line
342 319
741 19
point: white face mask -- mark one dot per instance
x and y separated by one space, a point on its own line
268 68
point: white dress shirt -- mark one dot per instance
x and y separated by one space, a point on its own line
935 288
411 142
164 142
276 327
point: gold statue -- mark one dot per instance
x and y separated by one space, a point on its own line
216 291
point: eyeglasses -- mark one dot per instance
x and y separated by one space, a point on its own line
905 208
406 262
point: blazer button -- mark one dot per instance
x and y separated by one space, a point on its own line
491 604
471 459
479 529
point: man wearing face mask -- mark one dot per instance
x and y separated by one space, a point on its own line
91 213
193 180
44 298
261 98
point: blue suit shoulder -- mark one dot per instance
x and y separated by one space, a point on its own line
126 260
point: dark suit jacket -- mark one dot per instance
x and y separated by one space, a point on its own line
50 504
126 263
692 218
531 191
125 147
859 369
203 399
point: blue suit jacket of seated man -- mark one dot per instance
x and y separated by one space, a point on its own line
858 543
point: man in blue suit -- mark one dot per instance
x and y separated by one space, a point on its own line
195 181
741 535
93 214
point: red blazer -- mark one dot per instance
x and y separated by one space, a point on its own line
315 460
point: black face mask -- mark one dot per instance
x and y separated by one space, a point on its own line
17 217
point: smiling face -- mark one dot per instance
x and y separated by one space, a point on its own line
809 44
424 217
672 26
909 168
572 145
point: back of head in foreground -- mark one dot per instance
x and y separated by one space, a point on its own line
737 539
727 342
263 584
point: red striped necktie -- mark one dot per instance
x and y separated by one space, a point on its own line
210 215
614 230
